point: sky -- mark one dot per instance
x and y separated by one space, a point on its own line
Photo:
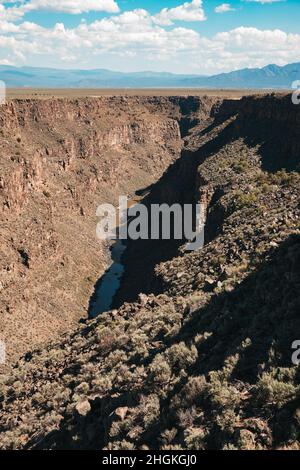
196 36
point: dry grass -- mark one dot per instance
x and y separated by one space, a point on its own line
44 93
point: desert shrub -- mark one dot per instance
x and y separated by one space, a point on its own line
172 447
267 188
67 380
241 165
160 371
243 200
118 428
115 358
195 438
38 399
168 436
106 337
135 432
120 445
82 388
18 386
180 356
167 323
139 344
270 391
280 178
202 337
229 446
229 365
221 393
285 374
262 430
149 409
195 390
227 420
246 440
285 178
101 385
187 417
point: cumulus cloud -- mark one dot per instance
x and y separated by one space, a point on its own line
134 40
188 11
10 14
224 8
73 7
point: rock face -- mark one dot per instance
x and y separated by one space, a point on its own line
59 160
202 359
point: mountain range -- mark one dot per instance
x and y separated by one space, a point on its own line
271 76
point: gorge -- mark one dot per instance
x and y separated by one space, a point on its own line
195 350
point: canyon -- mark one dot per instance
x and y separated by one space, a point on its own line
60 160
195 350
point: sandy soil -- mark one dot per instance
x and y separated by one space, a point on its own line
44 93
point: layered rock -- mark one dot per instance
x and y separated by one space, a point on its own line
60 159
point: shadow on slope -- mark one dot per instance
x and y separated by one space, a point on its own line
246 335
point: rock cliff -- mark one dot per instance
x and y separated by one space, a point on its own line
202 359
60 159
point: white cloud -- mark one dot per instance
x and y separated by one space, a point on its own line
74 7
224 8
188 11
10 14
134 40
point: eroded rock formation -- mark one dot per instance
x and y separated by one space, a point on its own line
60 159
202 359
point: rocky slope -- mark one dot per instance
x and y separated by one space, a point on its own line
201 359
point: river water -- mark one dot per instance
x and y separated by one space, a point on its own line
108 286
110 282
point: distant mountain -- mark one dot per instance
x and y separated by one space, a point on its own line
98 78
271 76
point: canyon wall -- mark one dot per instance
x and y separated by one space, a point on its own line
256 131
60 159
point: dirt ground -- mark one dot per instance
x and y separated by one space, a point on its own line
44 93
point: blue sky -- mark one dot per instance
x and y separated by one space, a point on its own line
195 36
283 15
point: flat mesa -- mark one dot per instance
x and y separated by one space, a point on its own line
48 93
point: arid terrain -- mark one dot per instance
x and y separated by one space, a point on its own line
46 93
60 159
196 353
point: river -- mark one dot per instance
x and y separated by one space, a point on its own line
110 282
